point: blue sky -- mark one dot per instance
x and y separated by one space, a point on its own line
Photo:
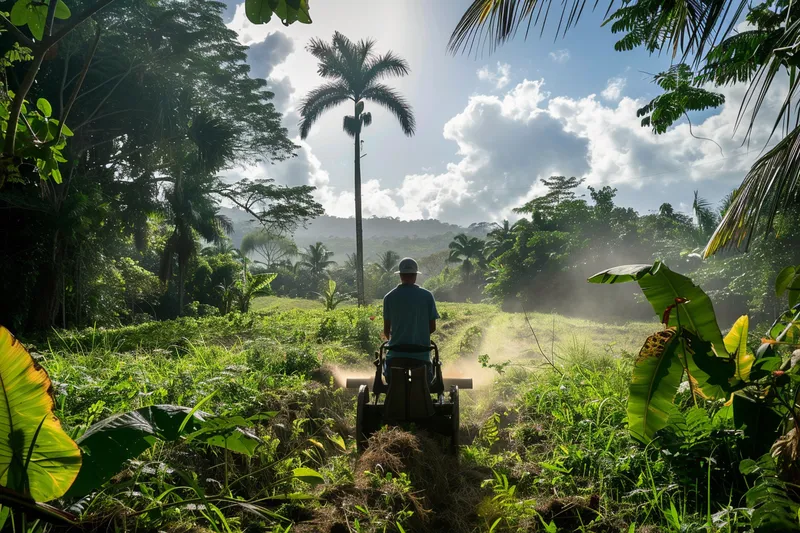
489 127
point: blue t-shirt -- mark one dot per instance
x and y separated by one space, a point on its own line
409 308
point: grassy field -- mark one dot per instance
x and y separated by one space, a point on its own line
545 446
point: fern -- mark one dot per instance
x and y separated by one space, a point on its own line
773 508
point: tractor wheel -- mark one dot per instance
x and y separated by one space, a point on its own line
361 412
455 421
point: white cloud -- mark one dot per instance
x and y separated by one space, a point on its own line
499 77
263 56
560 56
614 89
505 143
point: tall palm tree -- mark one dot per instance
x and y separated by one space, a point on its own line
316 259
194 213
468 251
387 262
705 218
355 72
208 144
499 240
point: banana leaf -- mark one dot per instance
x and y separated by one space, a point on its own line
108 444
709 376
37 458
736 344
656 376
674 298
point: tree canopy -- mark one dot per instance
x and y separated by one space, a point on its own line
708 49
160 100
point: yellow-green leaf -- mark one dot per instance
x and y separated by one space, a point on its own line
62 11
44 106
338 441
308 475
37 457
736 344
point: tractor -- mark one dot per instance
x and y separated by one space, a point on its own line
409 399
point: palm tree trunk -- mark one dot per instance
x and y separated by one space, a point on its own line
359 229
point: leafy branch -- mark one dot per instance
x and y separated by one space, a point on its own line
40 50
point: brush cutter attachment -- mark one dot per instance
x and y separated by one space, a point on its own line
409 398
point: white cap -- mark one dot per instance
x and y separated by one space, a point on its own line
408 266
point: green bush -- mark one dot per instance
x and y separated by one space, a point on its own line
296 361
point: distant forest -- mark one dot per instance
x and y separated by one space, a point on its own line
414 238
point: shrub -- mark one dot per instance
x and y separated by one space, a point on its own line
295 361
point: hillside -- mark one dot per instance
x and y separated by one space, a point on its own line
416 238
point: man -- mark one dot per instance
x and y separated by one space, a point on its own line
409 318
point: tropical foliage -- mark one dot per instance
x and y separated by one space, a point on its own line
713 52
135 176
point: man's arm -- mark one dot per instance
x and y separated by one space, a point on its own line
387 329
434 314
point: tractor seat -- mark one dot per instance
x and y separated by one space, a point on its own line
409 394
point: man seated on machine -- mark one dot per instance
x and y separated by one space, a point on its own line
409 318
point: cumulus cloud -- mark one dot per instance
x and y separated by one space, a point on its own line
265 55
614 89
499 78
560 56
284 93
505 143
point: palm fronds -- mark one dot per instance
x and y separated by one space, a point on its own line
355 72
320 100
685 26
393 102
770 185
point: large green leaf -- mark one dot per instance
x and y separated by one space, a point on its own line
37 458
20 12
709 376
621 274
736 344
656 376
308 475
108 444
672 296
